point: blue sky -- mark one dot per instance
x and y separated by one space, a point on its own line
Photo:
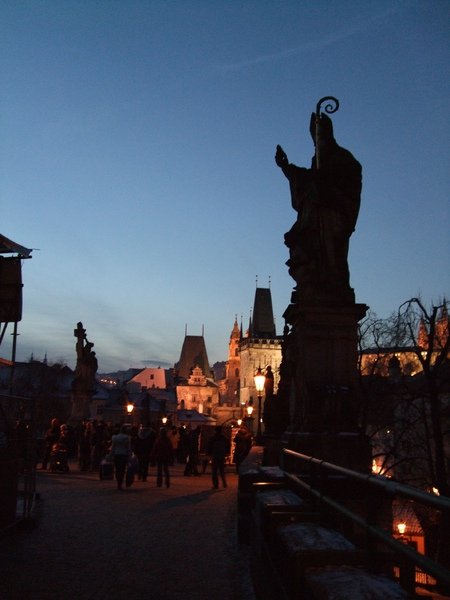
137 143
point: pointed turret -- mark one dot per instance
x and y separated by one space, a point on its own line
236 332
422 337
263 321
193 354
443 327
261 347
232 376
249 331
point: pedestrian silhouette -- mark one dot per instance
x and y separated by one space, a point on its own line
121 451
162 453
218 449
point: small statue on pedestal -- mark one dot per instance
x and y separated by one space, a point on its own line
84 382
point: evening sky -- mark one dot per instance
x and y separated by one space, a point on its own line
137 151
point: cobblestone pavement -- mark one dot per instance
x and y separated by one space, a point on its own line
94 542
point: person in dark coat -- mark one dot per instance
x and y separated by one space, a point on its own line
218 449
242 444
162 453
143 445
51 437
98 444
174 437
193 452
84 447
183 445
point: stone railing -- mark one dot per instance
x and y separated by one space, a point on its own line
327 532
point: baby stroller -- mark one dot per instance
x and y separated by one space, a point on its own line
59 459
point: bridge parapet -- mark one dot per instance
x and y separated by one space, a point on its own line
303 536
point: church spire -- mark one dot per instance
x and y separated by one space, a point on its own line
422 338
235 333
250 325
233 365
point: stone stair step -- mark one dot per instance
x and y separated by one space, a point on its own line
344 582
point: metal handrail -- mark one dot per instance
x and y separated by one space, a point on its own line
431 567
391 487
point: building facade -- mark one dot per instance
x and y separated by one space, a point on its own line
150 378
198 393
194 380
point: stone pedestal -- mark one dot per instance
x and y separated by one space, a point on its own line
322 351
80 407
325 376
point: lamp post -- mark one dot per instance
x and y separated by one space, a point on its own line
130 408
259 384
249 417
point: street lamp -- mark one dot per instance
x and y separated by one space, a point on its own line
249 417
130 408
259 384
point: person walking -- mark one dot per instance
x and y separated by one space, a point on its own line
218 449
84 446
143 445
193 452
183 445
121 451
98 444
51 437
174 437
162 453
242 444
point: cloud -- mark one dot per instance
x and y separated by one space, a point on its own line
156 362
313 45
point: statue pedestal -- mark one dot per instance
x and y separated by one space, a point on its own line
80 408
325 346
324 406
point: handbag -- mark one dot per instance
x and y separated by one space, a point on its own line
129 478
132 466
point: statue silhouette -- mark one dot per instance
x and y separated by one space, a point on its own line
87 364
327 201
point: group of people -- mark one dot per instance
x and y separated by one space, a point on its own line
95 441
58 436
88 442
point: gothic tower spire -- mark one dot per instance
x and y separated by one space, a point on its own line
232 373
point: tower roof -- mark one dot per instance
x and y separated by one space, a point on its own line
236 332
193 353
263 325
7 246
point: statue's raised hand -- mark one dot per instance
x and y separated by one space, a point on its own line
281 157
